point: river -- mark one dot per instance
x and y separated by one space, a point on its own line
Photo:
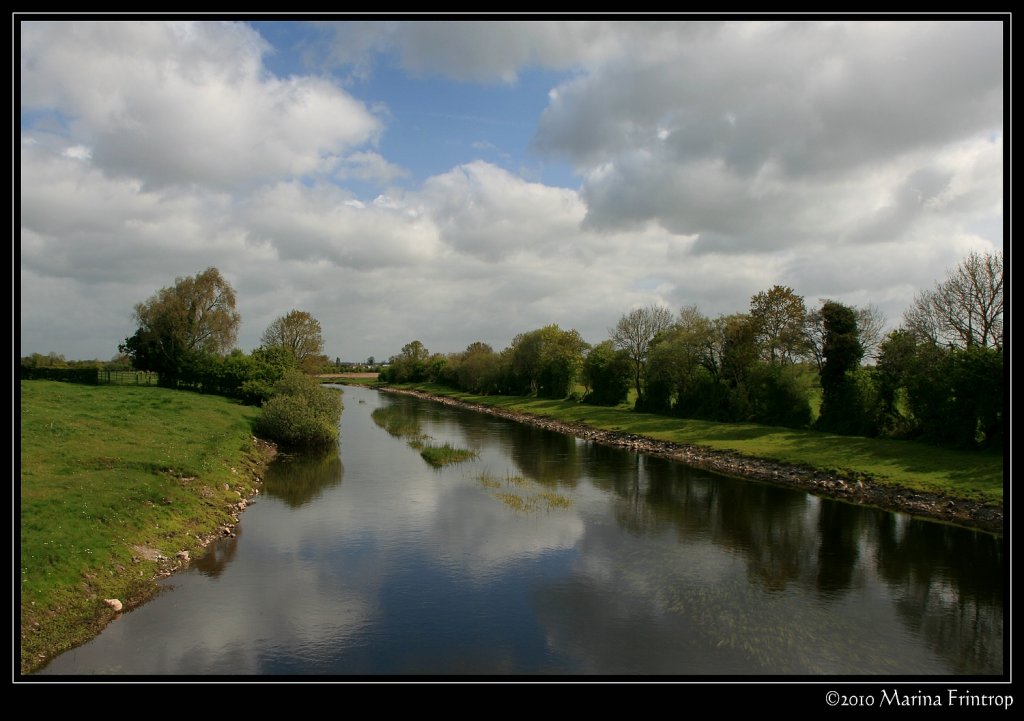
550 555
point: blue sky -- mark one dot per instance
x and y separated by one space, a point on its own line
454 181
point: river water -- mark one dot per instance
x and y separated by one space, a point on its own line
546 554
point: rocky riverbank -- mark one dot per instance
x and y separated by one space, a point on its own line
860 489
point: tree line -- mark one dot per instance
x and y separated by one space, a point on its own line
938 377
187 332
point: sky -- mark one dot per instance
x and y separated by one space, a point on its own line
453 181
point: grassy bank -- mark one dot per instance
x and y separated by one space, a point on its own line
968 475
111 477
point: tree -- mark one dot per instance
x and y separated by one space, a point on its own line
606 374
634 333
949 396
475 369
196 316
871 322
409 366
545 362
842 352
299 332
778 318
965 310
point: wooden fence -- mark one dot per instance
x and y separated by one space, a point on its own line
127 378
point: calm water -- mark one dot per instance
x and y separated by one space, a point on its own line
550 555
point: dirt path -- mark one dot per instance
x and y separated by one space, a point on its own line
861 490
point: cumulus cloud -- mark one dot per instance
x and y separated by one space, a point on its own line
855 161
486 211
190 102
319 222
369 166
478 51
735 130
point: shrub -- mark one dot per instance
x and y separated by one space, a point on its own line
68 375
301 413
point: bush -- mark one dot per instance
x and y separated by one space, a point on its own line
68 375
301 413
777 397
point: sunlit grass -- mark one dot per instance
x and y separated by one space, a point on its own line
104 468
446 454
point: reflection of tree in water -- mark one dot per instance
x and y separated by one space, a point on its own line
399 418
299 478
218 555
764 523
552 459
840 528
948 580
950 585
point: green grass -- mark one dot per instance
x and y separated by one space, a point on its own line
970 475
352 381
107 468
438 456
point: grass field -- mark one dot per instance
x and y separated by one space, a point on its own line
108 469
971 475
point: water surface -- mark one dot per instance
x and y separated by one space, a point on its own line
370 561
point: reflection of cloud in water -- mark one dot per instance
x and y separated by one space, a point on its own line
481 533
652 569
660 586
303 613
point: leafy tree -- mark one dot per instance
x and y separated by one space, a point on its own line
606 374
965 310
267 366
476 369
896 357
949 396
195 316
842 352
777 396
545 362
778 319
409 366
50 360
871 322
739 347
300 333
634 333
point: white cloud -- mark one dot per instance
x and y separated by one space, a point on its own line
479 51
181 103
856 161
321 222
369 166
486 211
740 129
